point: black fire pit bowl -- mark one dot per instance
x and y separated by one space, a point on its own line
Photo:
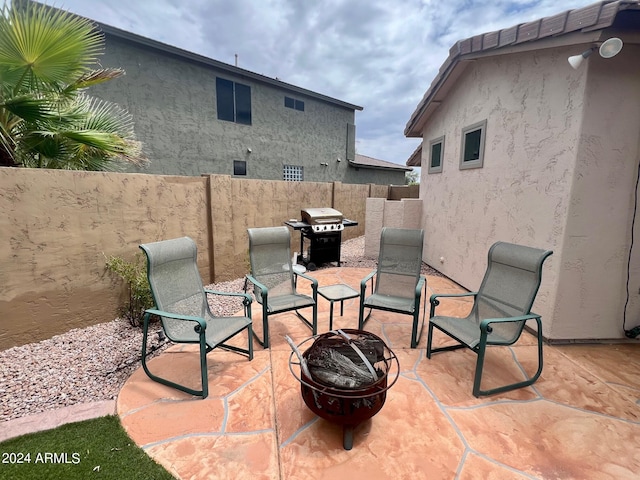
343 384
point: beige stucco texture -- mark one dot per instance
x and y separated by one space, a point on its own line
58 229
404 213
560 162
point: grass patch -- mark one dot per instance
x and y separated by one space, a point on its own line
97 448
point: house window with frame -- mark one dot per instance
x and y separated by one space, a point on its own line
240 167
436 154
472 148
294 103
233 101
292 173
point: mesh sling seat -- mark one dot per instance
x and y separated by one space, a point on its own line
274 280
501 308
396 284
181 303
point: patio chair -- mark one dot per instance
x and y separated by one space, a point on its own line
396 284
275 281
501 308
181 303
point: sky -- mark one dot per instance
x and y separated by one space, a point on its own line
379 54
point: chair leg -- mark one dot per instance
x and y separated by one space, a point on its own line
415 334
313 324
429 340
265 326
477 392
314 330
414 329
203 365
361 318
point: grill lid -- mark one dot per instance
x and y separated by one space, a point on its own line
319 216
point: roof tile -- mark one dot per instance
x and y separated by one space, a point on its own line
553 25
597 16
508 36
491 40
363 160
582 17
528 31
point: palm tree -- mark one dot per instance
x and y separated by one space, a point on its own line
47 120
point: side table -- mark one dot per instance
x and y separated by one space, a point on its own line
334 293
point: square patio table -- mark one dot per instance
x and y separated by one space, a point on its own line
334 293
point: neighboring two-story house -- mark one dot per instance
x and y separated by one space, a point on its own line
520 146
195 115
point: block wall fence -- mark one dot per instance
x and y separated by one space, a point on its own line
59 227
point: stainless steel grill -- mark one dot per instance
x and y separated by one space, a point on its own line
323 219
323 228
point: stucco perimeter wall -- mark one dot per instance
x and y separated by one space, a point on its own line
239 204
59 227
533 106
405 213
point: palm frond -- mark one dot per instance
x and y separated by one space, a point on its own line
46 45
29 107
46 119
97 76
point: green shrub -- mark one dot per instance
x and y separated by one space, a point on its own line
135 275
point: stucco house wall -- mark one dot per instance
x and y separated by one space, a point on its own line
519 194
560 162
173 102
355 174
592 283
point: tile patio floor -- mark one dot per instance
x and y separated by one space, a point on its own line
581 420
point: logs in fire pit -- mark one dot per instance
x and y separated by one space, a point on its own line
344 376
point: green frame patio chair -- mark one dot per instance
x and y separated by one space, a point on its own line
396 284
501 308
274 280
181 303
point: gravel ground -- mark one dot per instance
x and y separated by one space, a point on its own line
92 364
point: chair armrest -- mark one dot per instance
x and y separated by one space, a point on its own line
485 324
363 282
264 291
421 282
314 282
231 294
435 302
177 316
246 299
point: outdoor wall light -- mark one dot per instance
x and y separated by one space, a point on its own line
248 149
339 159
324 164
608 49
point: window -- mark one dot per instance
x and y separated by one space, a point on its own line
233 101
239 167
436 152
293 103
472 148
292 173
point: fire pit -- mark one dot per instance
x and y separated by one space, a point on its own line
344 376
